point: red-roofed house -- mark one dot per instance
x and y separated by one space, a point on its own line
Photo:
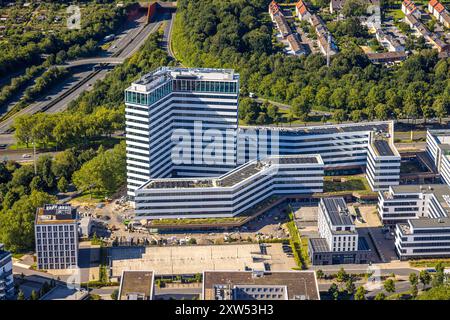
274 9
302 11
408 7
438 10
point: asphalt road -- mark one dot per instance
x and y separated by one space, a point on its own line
126 44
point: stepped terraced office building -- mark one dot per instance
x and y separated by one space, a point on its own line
232 193
177 108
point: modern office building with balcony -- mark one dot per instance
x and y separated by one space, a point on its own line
339 242
232 193
408 202
56 234
383 163
6 274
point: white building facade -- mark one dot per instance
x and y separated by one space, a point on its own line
56 234
233 193
336 226
383 164
438 148
6 275
407 202
190 101
423 238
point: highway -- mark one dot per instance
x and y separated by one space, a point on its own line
133 37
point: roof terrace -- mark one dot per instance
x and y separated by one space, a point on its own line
233 177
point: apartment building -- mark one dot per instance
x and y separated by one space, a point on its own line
232 193
295 47
56 234
189 102
277 16
383 163
438 10
339 242
325 40
409 202
438 148
388 41
410 8
255 285
6 274
423 238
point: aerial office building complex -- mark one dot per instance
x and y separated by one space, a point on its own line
183 123
233 192
56 234
339 241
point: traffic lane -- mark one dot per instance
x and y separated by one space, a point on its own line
18 156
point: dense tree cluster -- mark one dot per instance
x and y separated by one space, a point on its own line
215 33
252 112
66 129
24 48
105 173
22 191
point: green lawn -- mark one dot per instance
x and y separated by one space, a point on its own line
298 244
345 183
197 221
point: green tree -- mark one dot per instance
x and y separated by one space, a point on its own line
360 293
24 129
333 291
350 286
425 278
320 274
20 295
34 295
115 294
414 290
389 286
439 108
413 279
341 276
339 115
380 296
63 185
